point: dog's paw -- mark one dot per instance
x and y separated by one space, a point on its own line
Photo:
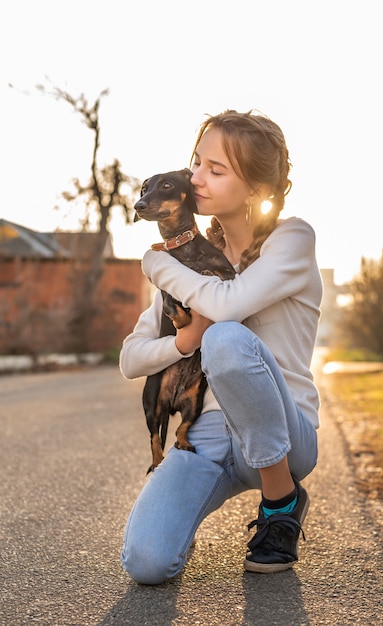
184 446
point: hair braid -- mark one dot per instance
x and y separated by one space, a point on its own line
260 234
214 233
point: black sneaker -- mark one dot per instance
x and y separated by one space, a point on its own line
274 546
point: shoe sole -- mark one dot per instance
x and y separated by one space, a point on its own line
271 568
266 568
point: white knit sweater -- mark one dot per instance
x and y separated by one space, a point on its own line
278 297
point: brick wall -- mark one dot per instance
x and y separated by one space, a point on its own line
36 300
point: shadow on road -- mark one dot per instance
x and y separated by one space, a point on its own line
272 599
145 606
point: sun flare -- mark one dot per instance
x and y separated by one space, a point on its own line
266 206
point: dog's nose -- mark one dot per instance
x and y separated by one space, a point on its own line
140 204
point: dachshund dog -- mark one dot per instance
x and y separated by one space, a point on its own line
169 200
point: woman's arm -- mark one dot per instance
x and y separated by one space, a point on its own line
143 353
283 270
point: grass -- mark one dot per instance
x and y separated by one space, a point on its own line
112 355
356 354
360 397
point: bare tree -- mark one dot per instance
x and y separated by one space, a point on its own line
107 188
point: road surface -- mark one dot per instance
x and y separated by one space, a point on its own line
74 449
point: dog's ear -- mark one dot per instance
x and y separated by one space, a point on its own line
190 190
187 173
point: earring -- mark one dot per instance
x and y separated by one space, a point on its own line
248 214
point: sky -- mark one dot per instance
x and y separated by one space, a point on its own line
314 67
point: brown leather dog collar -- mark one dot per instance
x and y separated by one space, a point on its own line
176 242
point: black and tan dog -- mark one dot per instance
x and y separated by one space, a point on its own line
169 200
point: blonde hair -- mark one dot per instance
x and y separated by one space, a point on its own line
257 151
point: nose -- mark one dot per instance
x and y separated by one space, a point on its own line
140 204
196 178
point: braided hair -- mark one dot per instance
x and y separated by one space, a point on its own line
257 151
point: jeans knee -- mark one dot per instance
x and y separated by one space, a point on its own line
217 342
221 351
148 567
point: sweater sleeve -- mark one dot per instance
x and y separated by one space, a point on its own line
143 353
281 271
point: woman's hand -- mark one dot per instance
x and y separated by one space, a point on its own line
189 337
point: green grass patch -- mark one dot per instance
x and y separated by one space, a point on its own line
112 355
363 391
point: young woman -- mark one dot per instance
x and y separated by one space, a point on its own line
257 332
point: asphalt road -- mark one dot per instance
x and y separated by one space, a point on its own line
73 455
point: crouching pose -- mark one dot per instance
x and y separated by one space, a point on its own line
257 428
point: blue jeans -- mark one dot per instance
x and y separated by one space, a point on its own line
258 426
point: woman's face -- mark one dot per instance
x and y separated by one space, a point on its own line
218 189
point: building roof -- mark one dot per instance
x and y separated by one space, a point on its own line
19 241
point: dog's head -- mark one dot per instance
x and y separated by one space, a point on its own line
164 196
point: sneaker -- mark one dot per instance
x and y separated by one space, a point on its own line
274 546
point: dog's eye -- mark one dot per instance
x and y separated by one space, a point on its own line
144 189
167 186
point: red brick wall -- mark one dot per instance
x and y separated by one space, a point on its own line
36 300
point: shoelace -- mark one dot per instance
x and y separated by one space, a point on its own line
264 523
